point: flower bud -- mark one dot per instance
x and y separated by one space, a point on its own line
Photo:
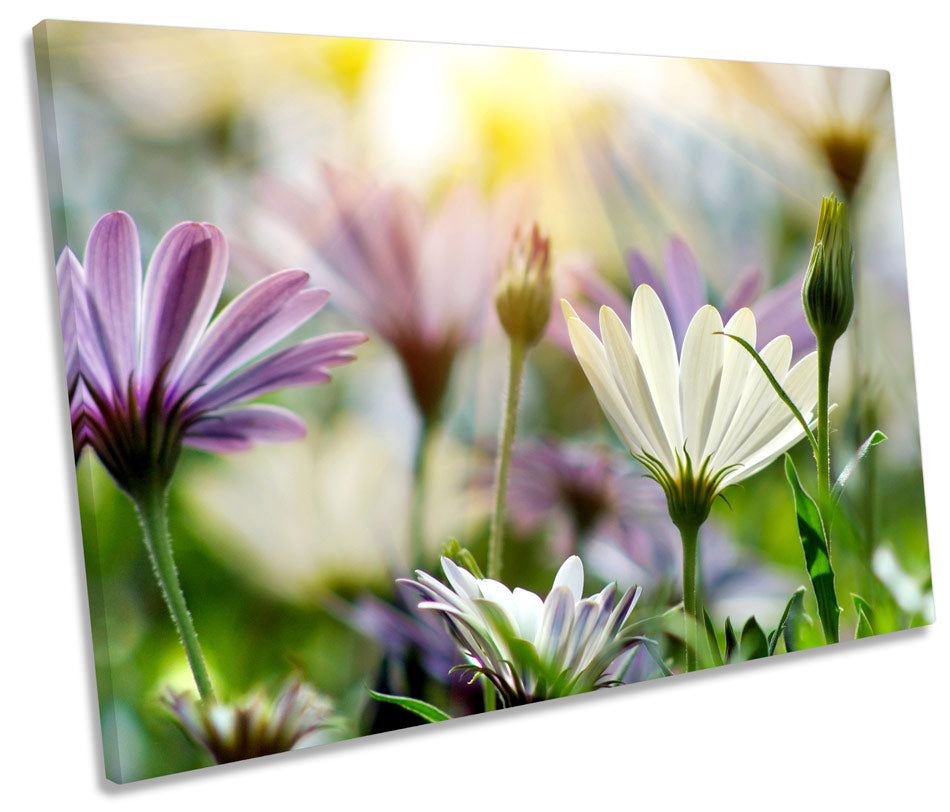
828 291
524 291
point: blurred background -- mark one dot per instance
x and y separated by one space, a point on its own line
288 553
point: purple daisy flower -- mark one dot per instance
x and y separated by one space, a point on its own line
149 370
682 289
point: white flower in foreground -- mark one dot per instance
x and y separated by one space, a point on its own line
705 420
527 648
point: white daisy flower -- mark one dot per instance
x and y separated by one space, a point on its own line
701 421
532 649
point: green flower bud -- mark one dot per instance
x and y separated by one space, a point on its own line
524 291
828 291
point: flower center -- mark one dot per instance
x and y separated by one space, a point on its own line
689 493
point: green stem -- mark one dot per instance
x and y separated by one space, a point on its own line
503 461
825 349
689 533
417 519
152 507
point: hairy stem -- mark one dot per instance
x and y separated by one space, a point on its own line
152 507
503 460
689 533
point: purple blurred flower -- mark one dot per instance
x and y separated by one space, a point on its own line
153 371
593 502
682 289
423 284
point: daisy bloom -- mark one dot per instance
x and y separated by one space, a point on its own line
153 371
528 648
149 370
421 280
700 422
257 725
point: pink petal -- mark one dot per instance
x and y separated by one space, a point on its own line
67 267
113 267
304 363
182 288
239 429
260 317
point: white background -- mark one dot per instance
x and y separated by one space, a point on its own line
748 737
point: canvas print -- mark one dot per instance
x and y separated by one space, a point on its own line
412 381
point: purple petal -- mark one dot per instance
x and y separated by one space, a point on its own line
252 323
113 267
304 363
641 272
67 268
780 312
182 288
685 289
743 293
239 429
92 364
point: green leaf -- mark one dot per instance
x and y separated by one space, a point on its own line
875 438
428 712
753 644
864 626
797 597
861 605
714 652
817 560
732 644
796 623
865 613
778 389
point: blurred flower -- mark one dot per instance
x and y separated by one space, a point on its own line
682 289
423 285
156 374
828 291
256 725
712 406
590 501
838 113
294 520
524 290
527 648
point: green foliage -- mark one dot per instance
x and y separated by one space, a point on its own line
811 533
422 709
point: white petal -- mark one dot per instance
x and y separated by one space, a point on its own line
801 385
571 575
628 374
656 349
701 369
736 365
556 622
501 596
461 580
529 608
782 442
757 397
593 360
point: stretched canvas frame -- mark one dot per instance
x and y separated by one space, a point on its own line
632 187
